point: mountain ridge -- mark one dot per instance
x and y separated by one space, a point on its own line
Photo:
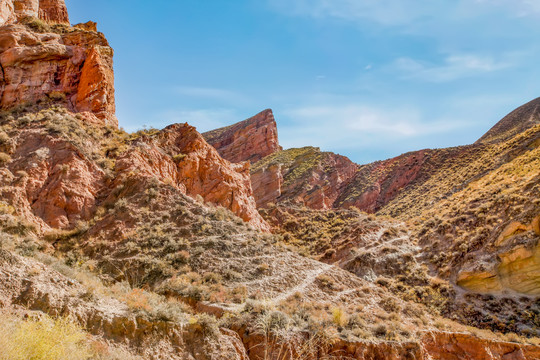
378 184
153 245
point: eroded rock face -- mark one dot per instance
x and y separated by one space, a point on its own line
53 11
50 181
519 269
249 140
267 184
48 10
74 68
432 345
443 345
95 92
60 184
515 267
376 184
304 176
180 155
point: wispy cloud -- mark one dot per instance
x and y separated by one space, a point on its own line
453 67
387 12
518 7
356 126
400 12
215 94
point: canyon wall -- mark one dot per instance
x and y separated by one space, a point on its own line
73 68
53 11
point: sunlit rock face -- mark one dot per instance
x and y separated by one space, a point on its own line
249 140
54 11
68 65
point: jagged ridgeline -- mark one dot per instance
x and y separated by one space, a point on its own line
171 244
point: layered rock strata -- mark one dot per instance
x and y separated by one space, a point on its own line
53 11
249 140
57 63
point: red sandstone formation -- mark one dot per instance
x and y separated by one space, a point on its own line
249 140
53 11
74 67
95 92
181 157
376 184
55 185
305 175
267 184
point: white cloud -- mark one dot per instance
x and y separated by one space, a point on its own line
401 12
216 94
387 12
518 7
453 67
357 126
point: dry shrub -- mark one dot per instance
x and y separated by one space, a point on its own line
339 317
137 299
4 158
43 339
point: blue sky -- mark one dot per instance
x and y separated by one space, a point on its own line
369 79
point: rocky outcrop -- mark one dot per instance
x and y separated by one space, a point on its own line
249 140
374 185
303 176
403 186
267 184
53 182
53 11
95 92
517 268
180 155
52 178
432 345
449 346
73 67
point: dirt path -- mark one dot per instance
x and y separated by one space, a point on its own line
309 279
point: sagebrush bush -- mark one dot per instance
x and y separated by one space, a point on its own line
43 339
339 317
36 24
4 138
4 158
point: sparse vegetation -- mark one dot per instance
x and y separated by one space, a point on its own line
165 258
4 158
42 339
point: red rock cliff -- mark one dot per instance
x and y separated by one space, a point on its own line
53 11
72 66
180 156
249 140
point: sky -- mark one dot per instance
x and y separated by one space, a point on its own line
369 79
